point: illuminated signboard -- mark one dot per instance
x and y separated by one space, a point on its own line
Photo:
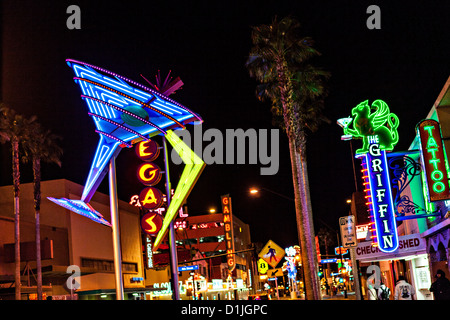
375 119
191 172
433 160
148 252
151 223
361 231
340 250
147 150
149 174
381 196
188 268
263 266
228 227
150 198
124 112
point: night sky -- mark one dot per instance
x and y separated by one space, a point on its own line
206 44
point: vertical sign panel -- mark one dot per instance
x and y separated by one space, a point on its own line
433 160
381 197
228 226
348 231
148 252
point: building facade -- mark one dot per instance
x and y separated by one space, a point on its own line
68 241
201 245
422 210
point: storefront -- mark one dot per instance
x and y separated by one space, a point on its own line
410 260
217 289
438 239
406 195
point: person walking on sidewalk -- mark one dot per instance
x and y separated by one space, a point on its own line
383 292
403 290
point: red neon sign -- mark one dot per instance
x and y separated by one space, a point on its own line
151 223
149 174
228 227
151 198
147 150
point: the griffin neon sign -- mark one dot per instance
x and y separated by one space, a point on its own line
370 121
381 196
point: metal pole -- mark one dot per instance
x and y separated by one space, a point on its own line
355 271
115 228
353 163
276 288
172 244
342 262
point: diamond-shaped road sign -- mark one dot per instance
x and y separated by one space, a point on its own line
272 253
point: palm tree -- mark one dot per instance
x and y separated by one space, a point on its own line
280 61
14 129
40 146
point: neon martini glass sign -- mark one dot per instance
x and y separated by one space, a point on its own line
124 112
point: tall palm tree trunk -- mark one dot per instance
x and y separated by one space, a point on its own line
306 223
37 208
16 178
303 210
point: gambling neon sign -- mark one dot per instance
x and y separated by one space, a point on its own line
380 199
433 160
228 226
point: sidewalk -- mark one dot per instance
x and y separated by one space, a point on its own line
339 296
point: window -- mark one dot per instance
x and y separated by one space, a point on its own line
211 239
108 265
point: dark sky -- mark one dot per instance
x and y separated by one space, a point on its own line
206 44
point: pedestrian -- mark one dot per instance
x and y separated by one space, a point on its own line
441 287
371 293
383 292
403 290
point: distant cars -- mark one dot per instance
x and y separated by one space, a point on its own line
259 297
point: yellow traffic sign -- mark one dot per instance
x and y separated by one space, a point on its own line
263 266
278 272
272 253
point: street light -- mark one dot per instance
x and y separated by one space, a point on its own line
255 191
212 210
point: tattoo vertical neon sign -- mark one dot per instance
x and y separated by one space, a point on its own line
381 196
433 160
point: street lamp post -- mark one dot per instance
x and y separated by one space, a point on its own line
172 243
115 229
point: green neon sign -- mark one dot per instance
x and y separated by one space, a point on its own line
374 120
434 160
192 170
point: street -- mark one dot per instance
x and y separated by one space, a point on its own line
339 296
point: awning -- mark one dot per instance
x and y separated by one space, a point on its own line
113 291
409 246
